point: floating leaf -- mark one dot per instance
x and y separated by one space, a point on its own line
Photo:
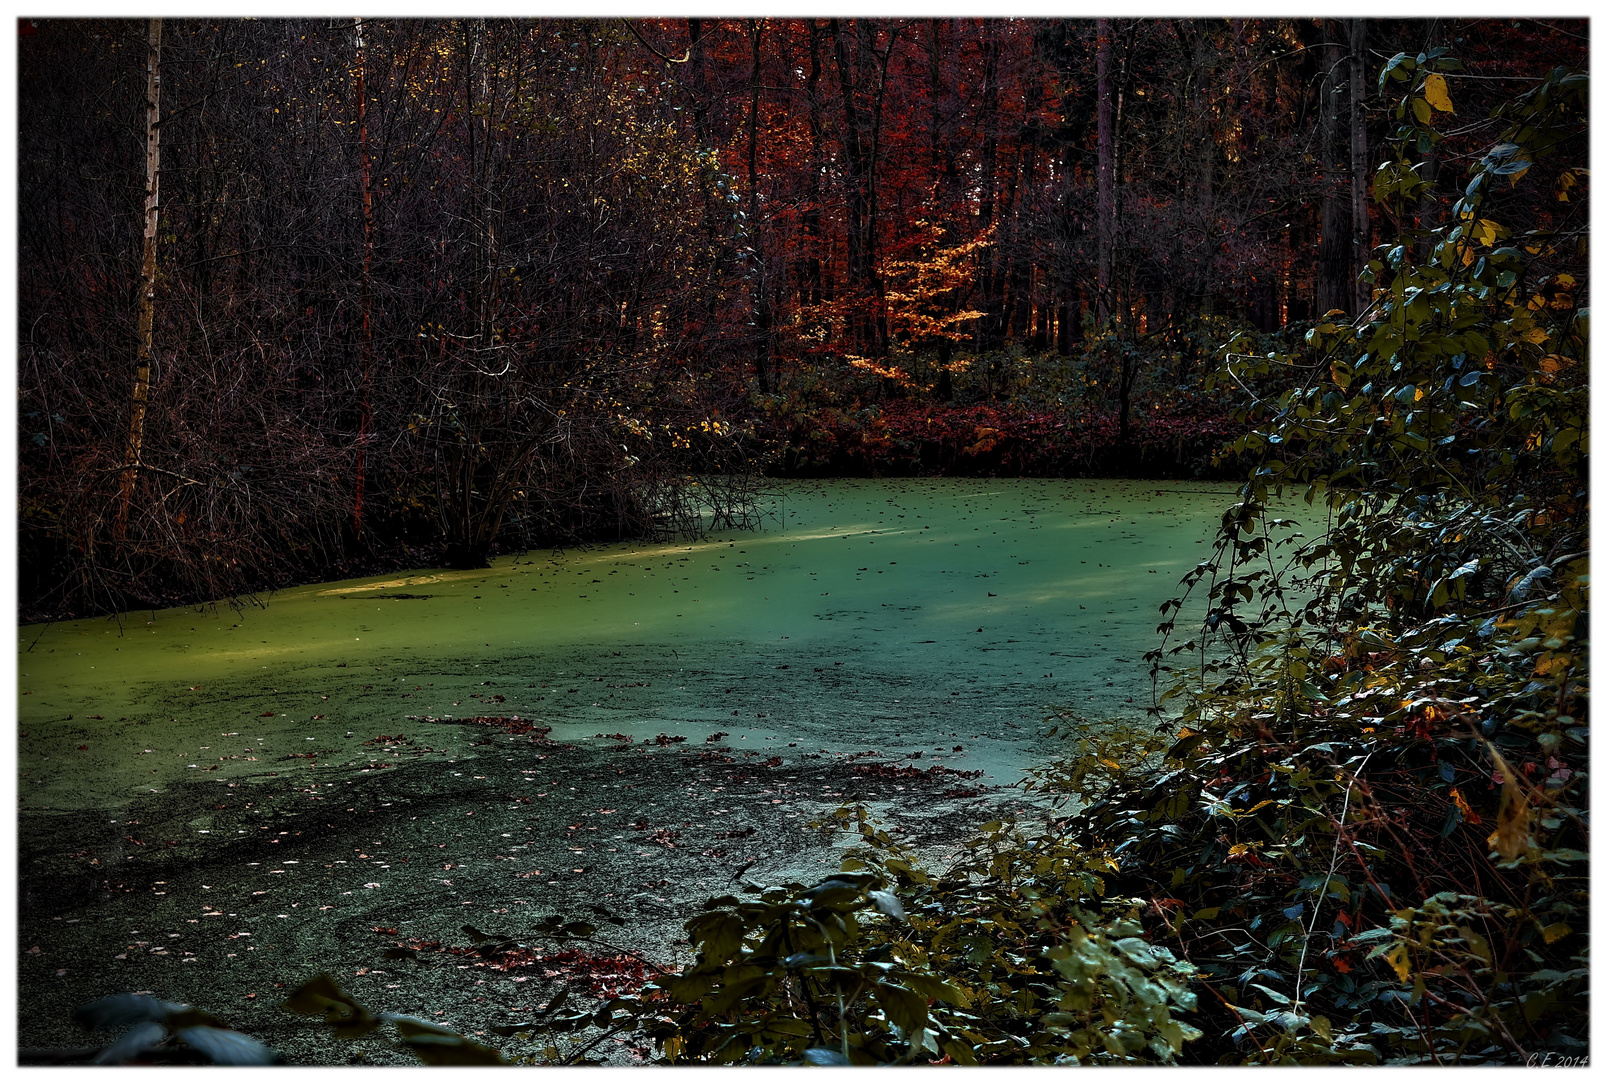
321 996
437 1045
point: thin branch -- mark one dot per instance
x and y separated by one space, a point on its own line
649 47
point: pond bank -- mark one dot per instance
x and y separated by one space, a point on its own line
227 894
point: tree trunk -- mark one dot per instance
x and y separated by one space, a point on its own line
1360 173
988 121
867 56
1107 166
1428 203
366 406
1121 295
759 289
700 82
854 162
1126 376
1020 299
1334 240
810 287
147 294
940 149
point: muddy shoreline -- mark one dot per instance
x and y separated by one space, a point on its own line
225 894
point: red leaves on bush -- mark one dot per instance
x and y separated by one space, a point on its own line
909 437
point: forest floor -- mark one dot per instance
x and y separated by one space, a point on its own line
373 874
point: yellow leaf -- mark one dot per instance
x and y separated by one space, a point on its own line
1556 932
1397 958
1552 662
1434 90
1511 836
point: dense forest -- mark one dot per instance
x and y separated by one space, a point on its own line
303 298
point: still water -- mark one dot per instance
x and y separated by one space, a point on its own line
946 617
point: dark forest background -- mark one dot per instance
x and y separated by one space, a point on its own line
420 291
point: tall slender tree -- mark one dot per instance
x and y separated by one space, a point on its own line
1361 235
1106 166
365 405
1335 237
758 282
146 319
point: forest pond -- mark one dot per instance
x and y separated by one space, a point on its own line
304 770
895 615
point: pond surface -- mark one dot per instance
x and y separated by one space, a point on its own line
942 617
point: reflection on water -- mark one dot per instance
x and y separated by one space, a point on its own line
901 615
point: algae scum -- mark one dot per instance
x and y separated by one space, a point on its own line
270 784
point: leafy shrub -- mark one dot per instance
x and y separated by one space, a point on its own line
1369 832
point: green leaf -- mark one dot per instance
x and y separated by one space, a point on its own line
937 988
903 1007
888 905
